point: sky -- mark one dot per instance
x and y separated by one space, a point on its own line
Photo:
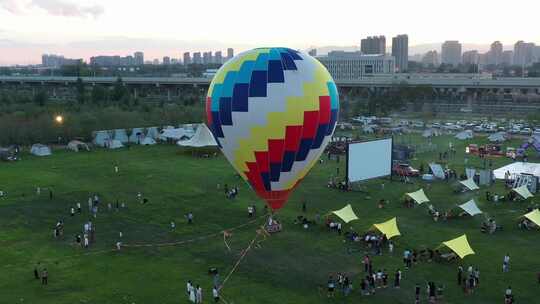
82 28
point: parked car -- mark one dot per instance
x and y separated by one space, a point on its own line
403 169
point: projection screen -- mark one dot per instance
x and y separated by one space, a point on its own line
370 159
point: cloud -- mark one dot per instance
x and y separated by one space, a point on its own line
62 8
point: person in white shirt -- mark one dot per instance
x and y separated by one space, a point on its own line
215 294
506 263
198 295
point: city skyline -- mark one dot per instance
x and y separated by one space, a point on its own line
81 29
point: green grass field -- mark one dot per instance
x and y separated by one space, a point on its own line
289 266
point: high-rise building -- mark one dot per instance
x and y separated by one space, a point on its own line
218 57
431 58
400 51
523 53
207 57
166 60
139 58
373 45
155 62
507 57
187 58
197 58
56 61
230 53
471 57
355 65
495 53
451 52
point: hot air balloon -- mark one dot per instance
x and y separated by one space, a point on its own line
272 112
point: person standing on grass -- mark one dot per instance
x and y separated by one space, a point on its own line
50 194
189 217
79 210
44 277
476 275
36 272
417 294
397 279
90 204
198 295
339 228
365 261
390 247
304 208
460 275
72 211
215 294
173 225
506 263
331 287
192 295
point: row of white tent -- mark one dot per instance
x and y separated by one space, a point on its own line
495 137
192 135
43 150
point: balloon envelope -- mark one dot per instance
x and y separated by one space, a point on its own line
272 112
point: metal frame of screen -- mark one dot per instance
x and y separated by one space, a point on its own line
363 141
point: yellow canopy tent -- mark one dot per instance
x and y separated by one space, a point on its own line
460 246
418 196
534 216
523 191
469 184
389 228
346 214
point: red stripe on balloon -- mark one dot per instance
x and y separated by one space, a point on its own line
311 120
275 149
262 161
325 110
292 138
209 109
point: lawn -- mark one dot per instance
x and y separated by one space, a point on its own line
288 267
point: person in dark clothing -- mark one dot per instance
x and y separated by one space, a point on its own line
417 293
36 273
44 277
460 275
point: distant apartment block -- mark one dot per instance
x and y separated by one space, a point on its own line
355 65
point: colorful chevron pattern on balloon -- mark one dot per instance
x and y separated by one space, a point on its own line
272 112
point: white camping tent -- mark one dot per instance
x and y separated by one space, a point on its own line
523 191
437 170
471 208
136 136
76 145
121 136
101 138
469 184
467 134
114 144
40 150
497 137
202 138
431 132
152 132
148 141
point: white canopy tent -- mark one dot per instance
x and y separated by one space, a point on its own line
518 168
101 138
114 144
418 196
469 184
437 170
463 135
523 191
202 138
40 150
136 136
471 208
121 136
152 132
148 141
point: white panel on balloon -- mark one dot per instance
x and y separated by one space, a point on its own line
370 159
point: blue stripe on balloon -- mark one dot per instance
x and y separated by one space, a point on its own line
257 85
274 54
228 84
244 74
305 146
288 62
261 64
288 161
275 170
321 133
216 126
240 97
265 176
225 111
294 54
333 93
275 72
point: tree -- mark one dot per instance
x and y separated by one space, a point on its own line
40 98
119 90
81 91
99 95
